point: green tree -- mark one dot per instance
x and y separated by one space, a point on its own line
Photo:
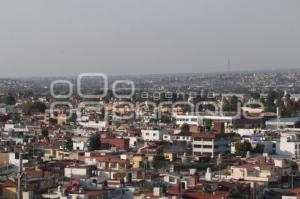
225 105
33 107
239 192
185 127
207 125
241 148
52 121
259 148
295 167
159 162
15 117
165 119
73 118
69 145
45 133
290 107
8 100
233 103
94 142
270 101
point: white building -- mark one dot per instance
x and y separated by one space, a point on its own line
133 140
80 143
82 171
199 119
289 144
210 144
15 128
152 135
101 125
13 158
292 122
188 119
168 137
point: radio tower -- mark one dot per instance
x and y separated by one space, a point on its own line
229 65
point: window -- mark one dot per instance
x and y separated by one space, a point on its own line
113 165
197 146
172 179
198 153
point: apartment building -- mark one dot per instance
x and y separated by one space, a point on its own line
212 143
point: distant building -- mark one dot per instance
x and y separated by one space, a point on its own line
3 110
291 122
100 125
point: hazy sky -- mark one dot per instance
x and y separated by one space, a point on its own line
67 37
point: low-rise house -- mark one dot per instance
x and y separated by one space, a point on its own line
185 136
168 137
118 143
289 144
263 170
80 171
255 173
9 189
110 166
14 159
138 160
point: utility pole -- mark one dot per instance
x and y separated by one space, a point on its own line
292 180
278 116
219 160
229 65
20 174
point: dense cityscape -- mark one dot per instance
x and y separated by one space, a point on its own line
156 136
149 99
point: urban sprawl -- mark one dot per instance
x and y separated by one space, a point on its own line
233 135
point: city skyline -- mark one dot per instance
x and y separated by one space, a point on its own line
65 38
